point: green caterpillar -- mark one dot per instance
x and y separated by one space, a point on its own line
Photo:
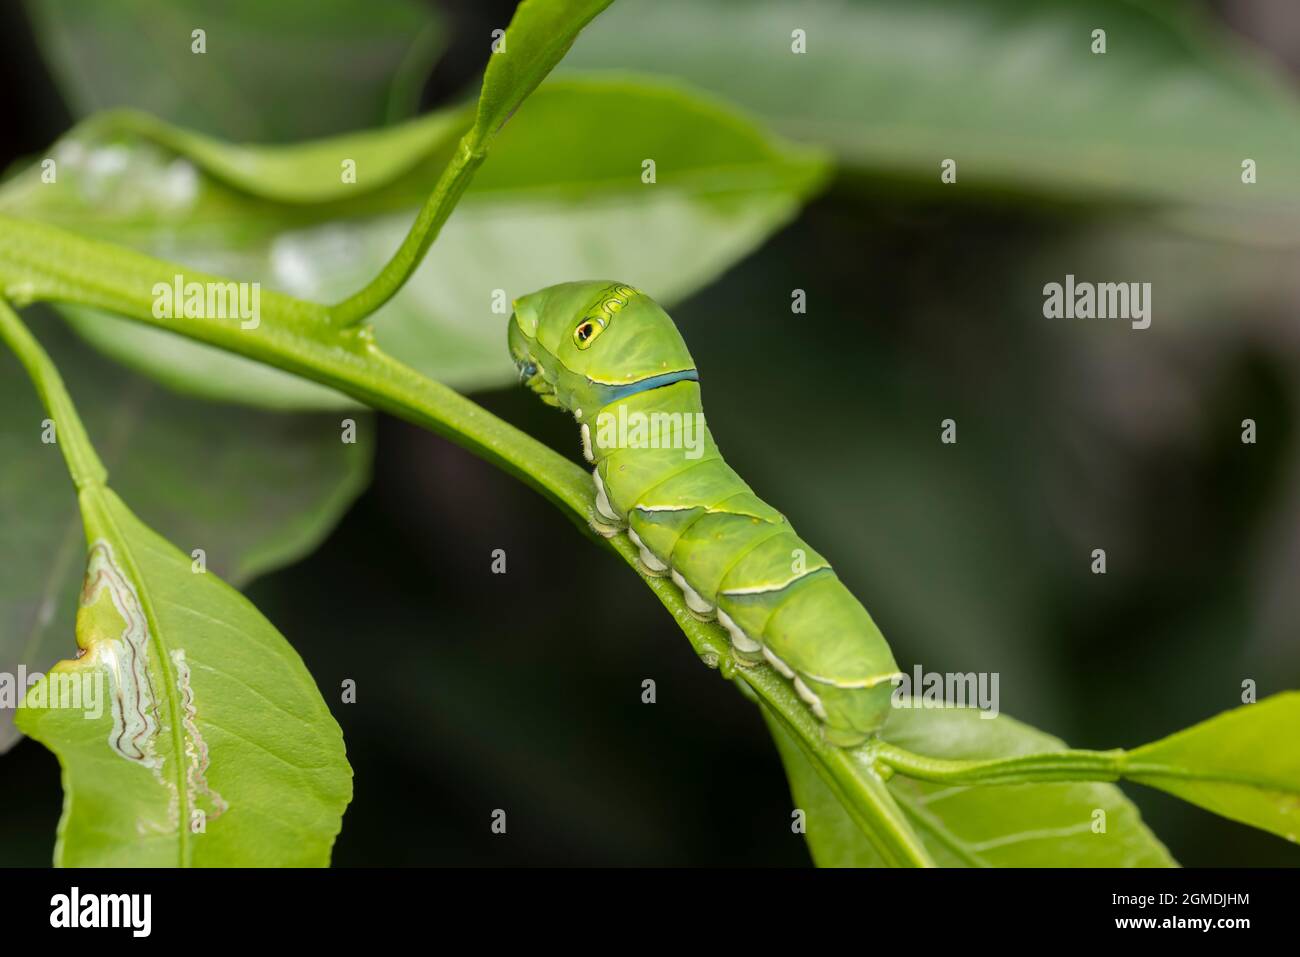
610 355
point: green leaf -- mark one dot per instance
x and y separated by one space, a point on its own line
1024 825
267 69
560 197
1242 764
188 730
241 763
254 490
539 35
1010 89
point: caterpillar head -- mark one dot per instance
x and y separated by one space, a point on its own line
582 345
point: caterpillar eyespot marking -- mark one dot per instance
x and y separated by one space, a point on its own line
614 351
614 298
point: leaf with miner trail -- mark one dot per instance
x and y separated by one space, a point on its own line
255 490
201 738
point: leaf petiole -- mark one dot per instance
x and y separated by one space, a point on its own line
1038 768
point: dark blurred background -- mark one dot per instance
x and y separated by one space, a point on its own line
522 691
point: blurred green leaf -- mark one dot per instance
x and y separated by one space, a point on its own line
233 759
271 71
254 490
560 197
1242 764
1010 89
1026 825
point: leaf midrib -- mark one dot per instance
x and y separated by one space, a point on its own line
97 499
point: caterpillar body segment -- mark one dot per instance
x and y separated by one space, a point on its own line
610 355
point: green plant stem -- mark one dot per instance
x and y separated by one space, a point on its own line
43 263
860 788
90 478
40 262
857 784
451 185
1022 769
84 464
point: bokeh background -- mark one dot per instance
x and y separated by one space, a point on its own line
522 691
